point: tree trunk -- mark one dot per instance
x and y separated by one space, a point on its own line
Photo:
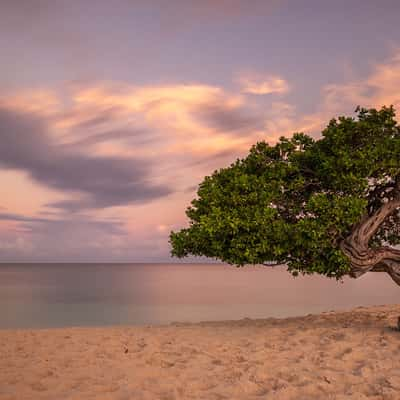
362 257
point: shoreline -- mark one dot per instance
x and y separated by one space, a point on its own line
336 355
371 308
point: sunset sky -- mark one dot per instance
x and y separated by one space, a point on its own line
112 112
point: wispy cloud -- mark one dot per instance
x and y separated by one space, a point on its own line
97 181
112 118
379 88
258 84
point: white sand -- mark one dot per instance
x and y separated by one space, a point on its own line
352 355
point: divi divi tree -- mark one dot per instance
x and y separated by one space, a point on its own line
329 206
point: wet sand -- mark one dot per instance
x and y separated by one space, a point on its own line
335 355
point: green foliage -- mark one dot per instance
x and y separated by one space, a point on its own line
295 201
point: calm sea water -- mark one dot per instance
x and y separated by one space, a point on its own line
56 295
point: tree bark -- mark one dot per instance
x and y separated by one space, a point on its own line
362 257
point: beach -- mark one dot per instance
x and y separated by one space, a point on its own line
333 355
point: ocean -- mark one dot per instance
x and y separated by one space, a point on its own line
63 295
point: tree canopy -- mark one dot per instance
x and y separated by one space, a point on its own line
329 206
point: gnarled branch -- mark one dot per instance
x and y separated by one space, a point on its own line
356 246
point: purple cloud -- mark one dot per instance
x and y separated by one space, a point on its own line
102 181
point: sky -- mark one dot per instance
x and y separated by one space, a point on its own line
112 113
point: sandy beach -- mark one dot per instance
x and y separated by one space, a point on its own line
334 355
